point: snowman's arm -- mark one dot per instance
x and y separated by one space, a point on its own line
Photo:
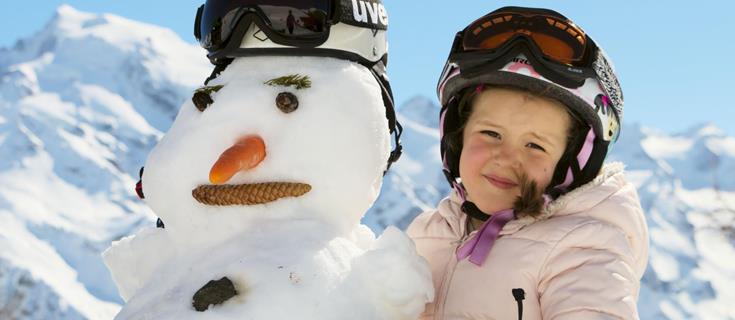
133 260
363 237
397 278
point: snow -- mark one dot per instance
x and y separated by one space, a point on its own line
666 266
722 147
708 199
76 127
709 129
42 261
73 139
638 177
666 147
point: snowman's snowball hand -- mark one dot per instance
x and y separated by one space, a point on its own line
362 236
397 277
132 260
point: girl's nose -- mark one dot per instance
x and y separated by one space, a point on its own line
506 155
245 154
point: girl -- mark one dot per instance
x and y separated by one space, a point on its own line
536 225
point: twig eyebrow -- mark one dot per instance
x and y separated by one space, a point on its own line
296 80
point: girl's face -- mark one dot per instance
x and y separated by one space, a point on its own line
510 132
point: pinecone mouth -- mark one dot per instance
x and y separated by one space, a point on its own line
248 194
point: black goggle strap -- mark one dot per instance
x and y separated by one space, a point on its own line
477 63
198 23
390 113
218 68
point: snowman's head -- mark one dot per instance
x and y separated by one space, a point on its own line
331 149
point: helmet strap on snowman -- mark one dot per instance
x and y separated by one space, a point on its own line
218 68
395 128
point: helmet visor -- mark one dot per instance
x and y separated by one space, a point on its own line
557 38
289 19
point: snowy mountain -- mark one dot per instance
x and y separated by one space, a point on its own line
83 101
687 188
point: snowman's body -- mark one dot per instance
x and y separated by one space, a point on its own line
300 257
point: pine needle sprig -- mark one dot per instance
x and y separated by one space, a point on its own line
209 89
296 80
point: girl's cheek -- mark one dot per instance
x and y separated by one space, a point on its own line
471 158
475 147
541 171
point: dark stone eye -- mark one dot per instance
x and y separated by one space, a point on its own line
202 100
287 102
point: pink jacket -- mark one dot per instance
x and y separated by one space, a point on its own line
582 258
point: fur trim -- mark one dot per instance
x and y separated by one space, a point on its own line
608 170
531 200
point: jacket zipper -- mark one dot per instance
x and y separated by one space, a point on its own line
519 295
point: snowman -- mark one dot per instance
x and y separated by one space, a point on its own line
264 176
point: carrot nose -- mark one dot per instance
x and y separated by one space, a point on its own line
245 154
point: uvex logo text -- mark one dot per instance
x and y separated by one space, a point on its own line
369 12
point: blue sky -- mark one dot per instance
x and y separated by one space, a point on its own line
673 57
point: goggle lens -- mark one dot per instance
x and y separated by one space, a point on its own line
296 21
557 39
289 18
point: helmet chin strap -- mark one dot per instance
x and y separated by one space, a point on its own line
394 126
469 208
218 68
578 166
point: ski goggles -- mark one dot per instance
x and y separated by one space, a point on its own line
562 50
296 23
557 38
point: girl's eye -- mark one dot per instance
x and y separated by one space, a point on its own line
491 133
535 146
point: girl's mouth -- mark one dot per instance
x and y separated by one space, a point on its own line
501 183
